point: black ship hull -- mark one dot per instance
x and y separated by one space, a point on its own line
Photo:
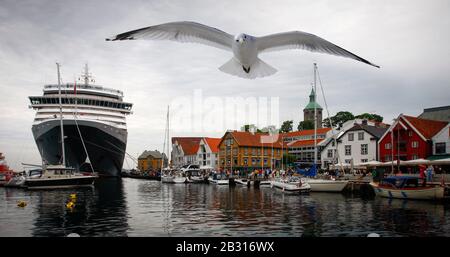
105 145
59 183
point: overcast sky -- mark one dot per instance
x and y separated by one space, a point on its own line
408 39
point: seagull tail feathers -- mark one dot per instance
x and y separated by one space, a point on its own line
258 70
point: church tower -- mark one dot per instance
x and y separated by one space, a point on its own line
308 112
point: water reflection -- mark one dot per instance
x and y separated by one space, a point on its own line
99 211
131 207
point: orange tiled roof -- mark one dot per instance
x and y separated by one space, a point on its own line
213 143
244 138
298 143
306 132
189 145
428 128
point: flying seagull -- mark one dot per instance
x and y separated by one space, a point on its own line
246 48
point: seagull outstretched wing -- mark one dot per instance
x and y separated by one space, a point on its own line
184 32
306 41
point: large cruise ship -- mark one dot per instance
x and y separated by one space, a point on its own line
95 131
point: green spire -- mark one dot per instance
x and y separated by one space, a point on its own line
312 101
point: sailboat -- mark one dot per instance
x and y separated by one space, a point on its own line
60 176
169 175
321 185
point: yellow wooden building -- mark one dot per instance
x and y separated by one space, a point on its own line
151 161
239 150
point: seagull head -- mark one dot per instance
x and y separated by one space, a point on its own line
241 38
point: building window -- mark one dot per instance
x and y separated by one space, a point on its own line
253 161
330 153
254 151
364 160
265 161
410 133
332 143
245 151
207 155
387 146
387 158
440 148
348 161
360 136
414 144
245 161
265 151
415 157
364 149
348 150
350 136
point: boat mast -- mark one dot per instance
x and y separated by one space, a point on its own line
315 118
168 137
60 117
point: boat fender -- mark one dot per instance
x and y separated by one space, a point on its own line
373 235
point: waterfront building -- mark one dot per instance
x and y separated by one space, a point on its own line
410 138
208 151
195 150
441 113
356 142
301 144
240 150
151 160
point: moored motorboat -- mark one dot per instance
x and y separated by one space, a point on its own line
59 176
407 187
326 185
291 185
219 180
16 180
174 177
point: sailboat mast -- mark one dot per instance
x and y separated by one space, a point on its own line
60 117
168 137
315 116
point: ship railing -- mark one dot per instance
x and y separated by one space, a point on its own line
81 86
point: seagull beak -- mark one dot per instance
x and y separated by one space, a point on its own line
241 40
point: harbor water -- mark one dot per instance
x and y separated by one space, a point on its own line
132 207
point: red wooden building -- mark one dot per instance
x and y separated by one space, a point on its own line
408 138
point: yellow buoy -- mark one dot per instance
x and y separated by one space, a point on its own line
73 195
70 205
22 204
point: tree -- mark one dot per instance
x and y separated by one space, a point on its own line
370 116
306 124
286 126
338 119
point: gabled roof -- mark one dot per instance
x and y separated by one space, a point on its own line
213 143
189 145
373 130
428 128
244 138
155 154
306 132
299 143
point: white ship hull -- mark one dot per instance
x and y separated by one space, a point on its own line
325 185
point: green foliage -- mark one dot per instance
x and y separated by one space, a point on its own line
370 116
286 126
306 124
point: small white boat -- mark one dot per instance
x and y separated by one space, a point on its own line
219 180
326 185
291 185
174 177
243 181
405 187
